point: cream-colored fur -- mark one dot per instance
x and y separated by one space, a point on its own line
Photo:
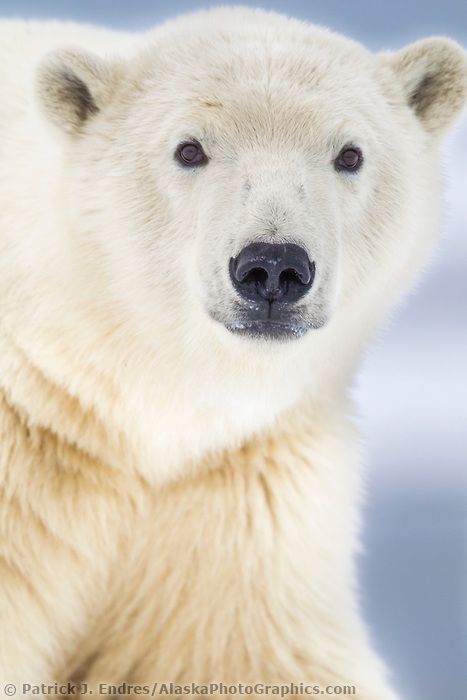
179 503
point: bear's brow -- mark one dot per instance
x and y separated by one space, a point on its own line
208 102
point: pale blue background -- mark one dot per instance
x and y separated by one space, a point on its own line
412 389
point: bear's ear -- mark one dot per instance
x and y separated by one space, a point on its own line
73 86
433 75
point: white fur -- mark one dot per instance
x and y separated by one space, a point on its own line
113 265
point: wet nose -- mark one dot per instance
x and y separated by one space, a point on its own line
272 272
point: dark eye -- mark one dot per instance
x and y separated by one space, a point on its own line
190 154
350 158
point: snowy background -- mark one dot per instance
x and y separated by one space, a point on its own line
413 384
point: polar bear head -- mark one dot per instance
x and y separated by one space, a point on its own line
247 182
250 171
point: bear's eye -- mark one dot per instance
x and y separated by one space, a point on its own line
190 154
350 158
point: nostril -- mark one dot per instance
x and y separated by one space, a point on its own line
293 277
256 276
257 281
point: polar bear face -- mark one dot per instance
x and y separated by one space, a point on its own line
243 198
250 173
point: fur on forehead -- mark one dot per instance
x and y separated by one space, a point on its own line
228 43
241 68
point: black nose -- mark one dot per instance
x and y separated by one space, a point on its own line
272 272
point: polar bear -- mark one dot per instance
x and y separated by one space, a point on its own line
201 227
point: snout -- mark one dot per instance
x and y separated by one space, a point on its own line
271 277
